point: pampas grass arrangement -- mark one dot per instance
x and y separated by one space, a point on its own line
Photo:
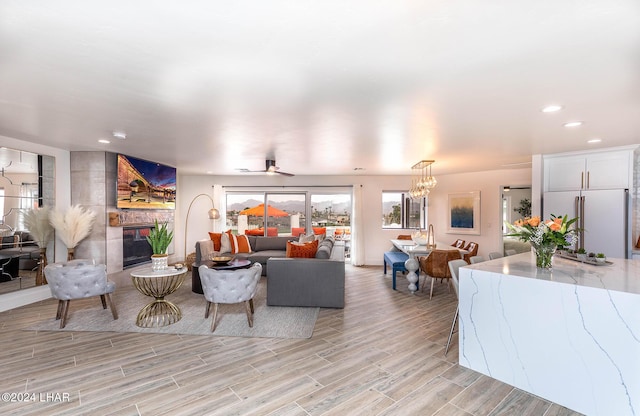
37 222
73 225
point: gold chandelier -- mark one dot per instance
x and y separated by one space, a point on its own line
422 182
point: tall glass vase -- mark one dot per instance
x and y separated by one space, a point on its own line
544 254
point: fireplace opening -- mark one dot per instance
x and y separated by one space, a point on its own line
135 247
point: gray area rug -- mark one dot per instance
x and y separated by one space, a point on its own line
268 321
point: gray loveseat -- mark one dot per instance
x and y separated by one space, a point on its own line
290 281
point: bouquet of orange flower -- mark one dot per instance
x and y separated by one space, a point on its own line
555 231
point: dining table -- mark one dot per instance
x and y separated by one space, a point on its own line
414 251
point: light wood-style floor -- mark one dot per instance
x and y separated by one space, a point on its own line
383 354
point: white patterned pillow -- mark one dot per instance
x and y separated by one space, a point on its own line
306 238
225 244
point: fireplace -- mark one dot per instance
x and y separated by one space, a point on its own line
135 248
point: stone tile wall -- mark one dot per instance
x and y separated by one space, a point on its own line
93 185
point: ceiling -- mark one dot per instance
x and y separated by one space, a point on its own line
321 86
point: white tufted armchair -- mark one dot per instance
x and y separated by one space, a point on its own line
230 286
78 279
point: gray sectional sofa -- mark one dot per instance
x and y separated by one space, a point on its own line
291 281
263 249
20 252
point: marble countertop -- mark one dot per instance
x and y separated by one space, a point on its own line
622 276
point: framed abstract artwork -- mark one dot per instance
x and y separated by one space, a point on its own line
463 215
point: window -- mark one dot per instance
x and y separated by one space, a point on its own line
290 212
291 204
331 212
401 211
238 202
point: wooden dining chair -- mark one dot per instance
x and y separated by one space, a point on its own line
458 243
472 250
436 266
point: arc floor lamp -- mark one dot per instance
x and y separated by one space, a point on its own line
213 213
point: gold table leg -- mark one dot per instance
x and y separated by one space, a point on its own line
160 312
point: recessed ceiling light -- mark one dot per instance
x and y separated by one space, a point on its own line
573 124
104 141
594 140
119 135
209 172
551 108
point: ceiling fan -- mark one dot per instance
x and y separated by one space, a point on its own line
270 167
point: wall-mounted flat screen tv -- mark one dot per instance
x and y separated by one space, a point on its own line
145 185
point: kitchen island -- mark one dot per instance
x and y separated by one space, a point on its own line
570 335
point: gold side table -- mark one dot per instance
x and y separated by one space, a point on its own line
158 284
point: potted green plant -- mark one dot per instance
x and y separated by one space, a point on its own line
159 238
581 254
601 258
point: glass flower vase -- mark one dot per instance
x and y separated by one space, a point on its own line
544 255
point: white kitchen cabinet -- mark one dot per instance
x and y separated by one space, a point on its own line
600 170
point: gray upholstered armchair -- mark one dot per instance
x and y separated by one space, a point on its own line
230 286
78 279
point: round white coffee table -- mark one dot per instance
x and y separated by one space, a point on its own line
158 284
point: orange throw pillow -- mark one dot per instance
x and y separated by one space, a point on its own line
305 250
217 240
319 230
239 243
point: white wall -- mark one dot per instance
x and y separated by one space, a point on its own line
377 240
63 200
489 184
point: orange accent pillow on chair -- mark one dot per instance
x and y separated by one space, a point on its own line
304 250
217 240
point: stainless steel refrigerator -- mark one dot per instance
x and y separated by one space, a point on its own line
604 218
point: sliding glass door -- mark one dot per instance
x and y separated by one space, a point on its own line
287 213
291 213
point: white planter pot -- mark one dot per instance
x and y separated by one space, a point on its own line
159 261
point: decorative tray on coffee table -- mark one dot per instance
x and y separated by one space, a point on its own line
590 260
220 260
